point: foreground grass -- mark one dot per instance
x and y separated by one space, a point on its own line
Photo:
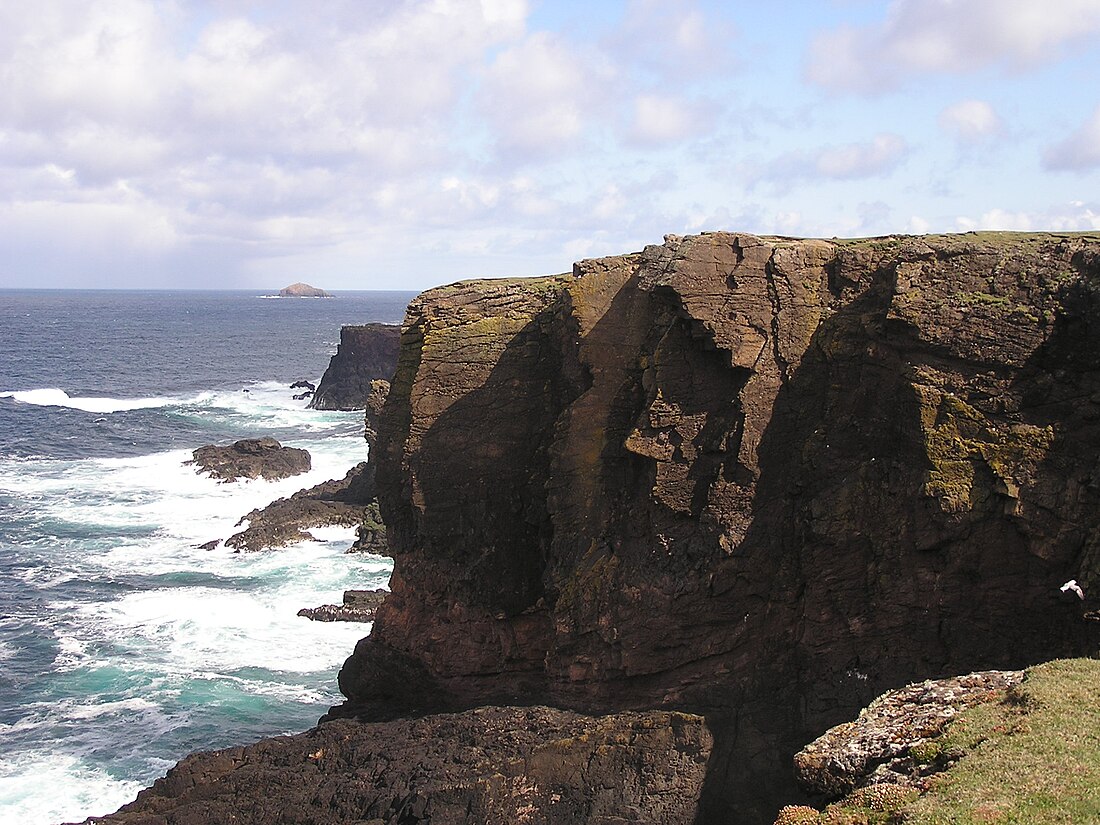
1034 758
1030 758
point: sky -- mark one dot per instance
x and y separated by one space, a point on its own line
399 145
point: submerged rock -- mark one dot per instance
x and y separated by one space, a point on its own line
251 458
491 766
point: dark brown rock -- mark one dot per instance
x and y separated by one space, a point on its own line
492 766
251 458
760 478
348 501
358 606
366 354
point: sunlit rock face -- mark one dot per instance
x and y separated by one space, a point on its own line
758 478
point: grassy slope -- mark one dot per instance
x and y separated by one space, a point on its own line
1040 758
1030 759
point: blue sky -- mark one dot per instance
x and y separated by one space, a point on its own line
399 145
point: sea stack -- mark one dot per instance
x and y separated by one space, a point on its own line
300 290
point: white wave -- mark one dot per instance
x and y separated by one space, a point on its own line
198 629
75 789
53 397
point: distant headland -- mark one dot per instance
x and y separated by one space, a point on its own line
300 290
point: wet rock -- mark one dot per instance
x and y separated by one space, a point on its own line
344 502
358 606
251 458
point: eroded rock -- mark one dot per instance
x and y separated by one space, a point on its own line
492 766
358 606
366 353
347 502
251 458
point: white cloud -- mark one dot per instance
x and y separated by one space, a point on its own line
971 121
663 119
540 94
850 161
1081 150
1072 217
674 39
922 36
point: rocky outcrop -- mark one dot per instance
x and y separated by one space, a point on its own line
883 745
762 479
251 458
496 766
366 354
348 502
357 606
300 290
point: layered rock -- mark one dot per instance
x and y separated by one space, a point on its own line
347 502
366 354
759 478
251 458
496 766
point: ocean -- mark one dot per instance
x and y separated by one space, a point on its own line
123 645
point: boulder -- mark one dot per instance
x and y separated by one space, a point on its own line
251 458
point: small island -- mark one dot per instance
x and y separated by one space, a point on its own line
300 290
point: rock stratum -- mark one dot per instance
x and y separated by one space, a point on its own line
366 354
762 480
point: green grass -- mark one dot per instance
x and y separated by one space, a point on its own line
1033 758
1030 758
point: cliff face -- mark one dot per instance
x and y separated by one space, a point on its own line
366 353
762 479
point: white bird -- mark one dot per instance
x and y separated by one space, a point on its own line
1074 586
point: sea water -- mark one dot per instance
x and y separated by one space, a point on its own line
124 646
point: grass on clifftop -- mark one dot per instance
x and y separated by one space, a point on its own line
1034 758
1030 759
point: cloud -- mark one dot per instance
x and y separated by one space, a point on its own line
971 121
663 119
1079 151
540 94
850 161
681 42
1076 216
948 36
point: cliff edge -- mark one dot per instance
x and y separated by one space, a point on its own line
757 480
761 479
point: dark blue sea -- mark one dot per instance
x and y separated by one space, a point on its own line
123 645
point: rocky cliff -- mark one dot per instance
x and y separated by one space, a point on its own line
760 479
366 353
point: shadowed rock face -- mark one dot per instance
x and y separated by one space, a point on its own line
496 766
762 479
366 353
